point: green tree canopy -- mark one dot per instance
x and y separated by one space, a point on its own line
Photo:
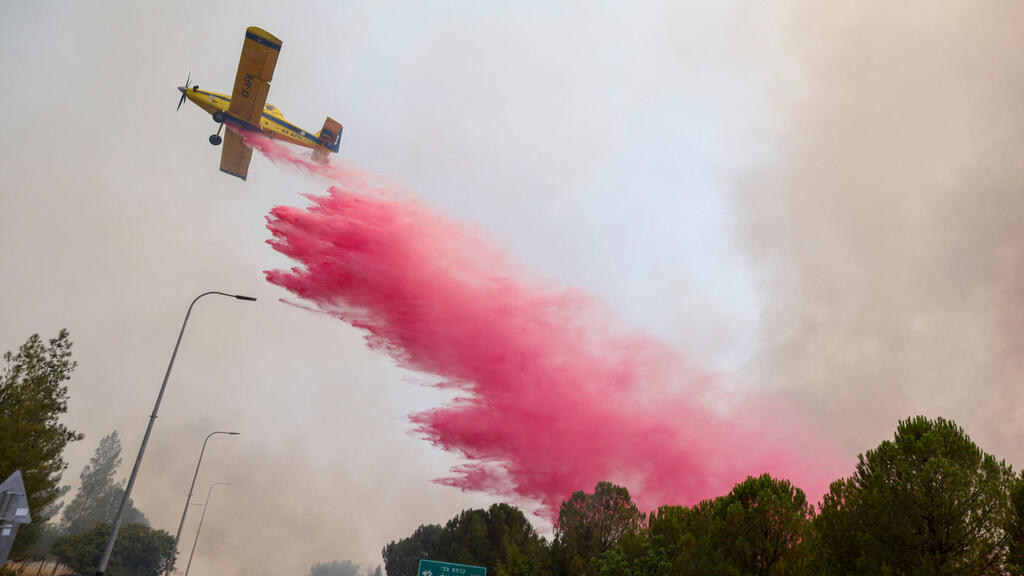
402 557
98 494
499 538
590 524
33 396
757 528
930 502
1015 531
138 551
664 548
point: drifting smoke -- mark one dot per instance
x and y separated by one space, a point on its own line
556 396
889 229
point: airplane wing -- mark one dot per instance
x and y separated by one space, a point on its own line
235 155
252 81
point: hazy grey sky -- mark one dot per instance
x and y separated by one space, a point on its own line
823 202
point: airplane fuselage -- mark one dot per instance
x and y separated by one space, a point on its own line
272 122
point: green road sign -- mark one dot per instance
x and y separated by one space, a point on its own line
433 568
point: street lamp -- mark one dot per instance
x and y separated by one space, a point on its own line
205 506
145 439
188 498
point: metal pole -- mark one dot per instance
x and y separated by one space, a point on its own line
205 506
177 537
145 439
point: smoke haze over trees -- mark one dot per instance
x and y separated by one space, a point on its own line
346 568
335 568
99 495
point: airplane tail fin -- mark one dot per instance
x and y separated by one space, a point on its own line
330 134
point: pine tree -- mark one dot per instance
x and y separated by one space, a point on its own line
33 396
99 494
928 502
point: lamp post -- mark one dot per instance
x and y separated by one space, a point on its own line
205 506
145 438
177 537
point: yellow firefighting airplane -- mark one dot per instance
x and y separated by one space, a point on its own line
246 108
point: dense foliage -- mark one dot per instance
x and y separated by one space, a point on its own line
757 528
590 524
500 538
33 397
1015 531
138 551
928 502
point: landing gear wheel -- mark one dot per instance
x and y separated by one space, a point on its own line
218 116
215 139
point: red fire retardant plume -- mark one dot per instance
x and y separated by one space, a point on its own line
556 394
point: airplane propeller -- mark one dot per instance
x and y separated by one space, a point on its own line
184 90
